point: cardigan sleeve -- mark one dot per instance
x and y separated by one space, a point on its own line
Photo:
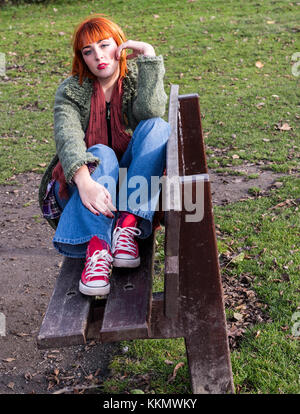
151 99
69 134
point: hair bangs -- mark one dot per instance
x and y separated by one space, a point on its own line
92 33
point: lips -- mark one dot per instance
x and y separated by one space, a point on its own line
102 66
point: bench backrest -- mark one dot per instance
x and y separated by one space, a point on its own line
185 167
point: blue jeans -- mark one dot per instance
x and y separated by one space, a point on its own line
129 183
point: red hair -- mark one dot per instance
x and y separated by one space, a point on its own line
91 30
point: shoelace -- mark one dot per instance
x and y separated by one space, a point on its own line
98 264
123 239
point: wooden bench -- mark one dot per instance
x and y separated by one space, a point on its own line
191 305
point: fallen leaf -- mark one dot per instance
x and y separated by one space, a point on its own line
52 356
28 376
285 127
173 376
287 203
168 362
259 64
285 277
243 306
238 316
156 16
11 385
260 105
235 156
270 21
238 258
235 332
9 359
50 385
97 372
137 391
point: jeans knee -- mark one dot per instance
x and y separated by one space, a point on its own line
155 129
108 159
155 122
166 127
100 149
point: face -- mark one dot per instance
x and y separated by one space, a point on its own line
100 58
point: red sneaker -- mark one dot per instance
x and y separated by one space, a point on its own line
95 276
124 247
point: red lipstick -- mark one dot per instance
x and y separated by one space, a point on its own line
102 66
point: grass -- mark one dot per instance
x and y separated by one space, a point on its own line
238 57
268 362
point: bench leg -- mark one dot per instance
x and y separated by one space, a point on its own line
209 365
202 307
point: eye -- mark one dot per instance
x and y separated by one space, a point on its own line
87 53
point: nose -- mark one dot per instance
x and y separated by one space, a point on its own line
98 53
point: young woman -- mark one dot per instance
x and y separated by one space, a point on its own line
107 121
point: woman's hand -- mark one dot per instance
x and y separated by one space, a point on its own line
93 195
138 48
96 198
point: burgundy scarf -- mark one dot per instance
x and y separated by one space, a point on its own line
97 129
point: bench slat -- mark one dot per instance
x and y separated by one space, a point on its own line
129 302
172 217
65 321
191 144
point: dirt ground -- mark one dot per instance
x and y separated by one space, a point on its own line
29 266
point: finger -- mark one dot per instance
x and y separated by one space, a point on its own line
109 200
119 50
129 44
105 210
131 56
107 193
99 208
107 213
111 206
92 209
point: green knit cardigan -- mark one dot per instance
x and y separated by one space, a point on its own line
143 98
